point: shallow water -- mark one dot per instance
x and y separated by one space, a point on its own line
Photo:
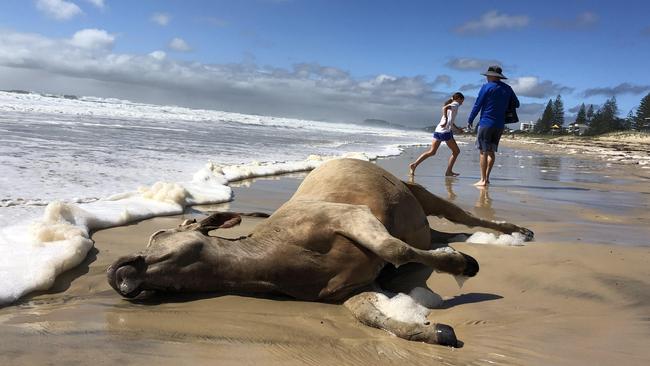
602 203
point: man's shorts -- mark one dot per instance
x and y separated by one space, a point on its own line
443 136
487 138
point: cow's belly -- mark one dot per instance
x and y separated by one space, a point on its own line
325 275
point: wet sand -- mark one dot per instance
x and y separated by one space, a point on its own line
579 294
631 148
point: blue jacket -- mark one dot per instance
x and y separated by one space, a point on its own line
493 101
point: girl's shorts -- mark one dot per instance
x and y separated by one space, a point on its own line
443 136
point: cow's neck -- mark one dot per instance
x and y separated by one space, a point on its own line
242 265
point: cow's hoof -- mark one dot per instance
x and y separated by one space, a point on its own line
527 233
471 266
445 335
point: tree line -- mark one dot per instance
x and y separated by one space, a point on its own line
604 119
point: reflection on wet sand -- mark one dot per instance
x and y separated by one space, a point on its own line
449 185
483 206
550 167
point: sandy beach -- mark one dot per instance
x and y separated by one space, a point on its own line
577 295
631 148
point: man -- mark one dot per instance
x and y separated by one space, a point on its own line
494 99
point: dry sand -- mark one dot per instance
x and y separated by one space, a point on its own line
548 303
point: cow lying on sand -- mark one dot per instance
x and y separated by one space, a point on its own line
329 242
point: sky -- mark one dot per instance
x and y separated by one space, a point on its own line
332 60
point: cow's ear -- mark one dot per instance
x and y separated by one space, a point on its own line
187 222
186 225
219 220
153 236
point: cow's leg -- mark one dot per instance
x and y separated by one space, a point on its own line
436 206
440 239
358 224
364 307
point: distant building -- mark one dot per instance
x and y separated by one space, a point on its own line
577 128
526 126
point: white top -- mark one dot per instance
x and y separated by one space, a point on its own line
451 117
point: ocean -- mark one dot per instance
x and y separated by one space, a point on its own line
73 165
70 166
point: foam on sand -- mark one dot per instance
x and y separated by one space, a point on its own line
34 252
402 307
514 239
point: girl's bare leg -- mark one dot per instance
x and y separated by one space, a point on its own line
432 151
455 151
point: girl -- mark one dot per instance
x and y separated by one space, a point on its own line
444 133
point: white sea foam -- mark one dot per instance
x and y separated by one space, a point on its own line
514 239
402 307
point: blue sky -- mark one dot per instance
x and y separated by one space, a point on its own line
329 60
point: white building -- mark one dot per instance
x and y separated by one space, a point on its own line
526 126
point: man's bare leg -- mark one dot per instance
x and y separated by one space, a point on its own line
483 160
490 163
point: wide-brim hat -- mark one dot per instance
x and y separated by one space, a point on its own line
494 71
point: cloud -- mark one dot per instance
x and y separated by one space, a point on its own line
493 21
575 109
84 64
530 111
623 88
58 9
442 79
531 86
158 55
93 39
98 3
471 64
161 19
179 45
581 21
467 87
